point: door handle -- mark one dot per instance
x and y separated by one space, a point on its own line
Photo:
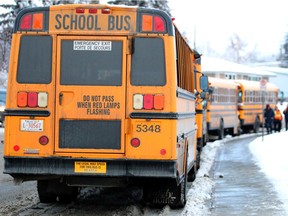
60 98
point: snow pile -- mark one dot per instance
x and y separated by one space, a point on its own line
201 189
271 156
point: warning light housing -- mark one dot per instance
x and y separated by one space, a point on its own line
32 22
153 23
148 101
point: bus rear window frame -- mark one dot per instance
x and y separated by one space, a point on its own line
22 76
164 81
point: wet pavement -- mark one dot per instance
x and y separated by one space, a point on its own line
240 187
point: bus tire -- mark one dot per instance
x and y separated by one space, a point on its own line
256 125
221 130
69 196
44 192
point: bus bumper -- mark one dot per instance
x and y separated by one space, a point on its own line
34 168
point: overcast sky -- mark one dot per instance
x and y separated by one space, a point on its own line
261 23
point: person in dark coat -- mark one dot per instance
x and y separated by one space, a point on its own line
269 118
285 112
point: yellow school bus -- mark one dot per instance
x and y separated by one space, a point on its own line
101 95
250 104
222 111
201 109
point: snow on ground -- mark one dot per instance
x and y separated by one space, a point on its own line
271 156
201 189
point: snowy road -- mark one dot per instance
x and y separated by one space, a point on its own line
240 186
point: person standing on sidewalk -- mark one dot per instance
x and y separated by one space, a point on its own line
285 112
277 120
269 117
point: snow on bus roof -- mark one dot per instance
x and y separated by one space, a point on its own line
217 65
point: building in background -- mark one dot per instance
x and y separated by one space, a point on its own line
220 68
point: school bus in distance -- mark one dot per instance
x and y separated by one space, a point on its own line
250 104
101 95
222 111
201 109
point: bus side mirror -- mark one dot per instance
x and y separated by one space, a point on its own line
204 83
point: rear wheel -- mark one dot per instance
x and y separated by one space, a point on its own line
46 195
256 125
221 130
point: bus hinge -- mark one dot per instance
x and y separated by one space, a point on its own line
127 126
129 49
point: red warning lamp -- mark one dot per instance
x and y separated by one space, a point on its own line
80 10
26 22
159 24
148 101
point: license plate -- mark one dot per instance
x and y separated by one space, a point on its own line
89 167
32 125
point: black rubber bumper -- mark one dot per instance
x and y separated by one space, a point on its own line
20 166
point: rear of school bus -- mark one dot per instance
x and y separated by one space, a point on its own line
250 104
92 102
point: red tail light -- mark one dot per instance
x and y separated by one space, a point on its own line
135 142
159 102
148 101
32 99
22 99
43 140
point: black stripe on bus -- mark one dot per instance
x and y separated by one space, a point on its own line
12 112
171 115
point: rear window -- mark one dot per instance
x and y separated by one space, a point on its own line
148 63
35 60
84 63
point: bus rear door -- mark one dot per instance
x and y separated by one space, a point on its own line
90 95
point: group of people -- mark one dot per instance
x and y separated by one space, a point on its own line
273 119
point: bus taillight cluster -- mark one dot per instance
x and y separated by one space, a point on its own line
148 101
32 99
